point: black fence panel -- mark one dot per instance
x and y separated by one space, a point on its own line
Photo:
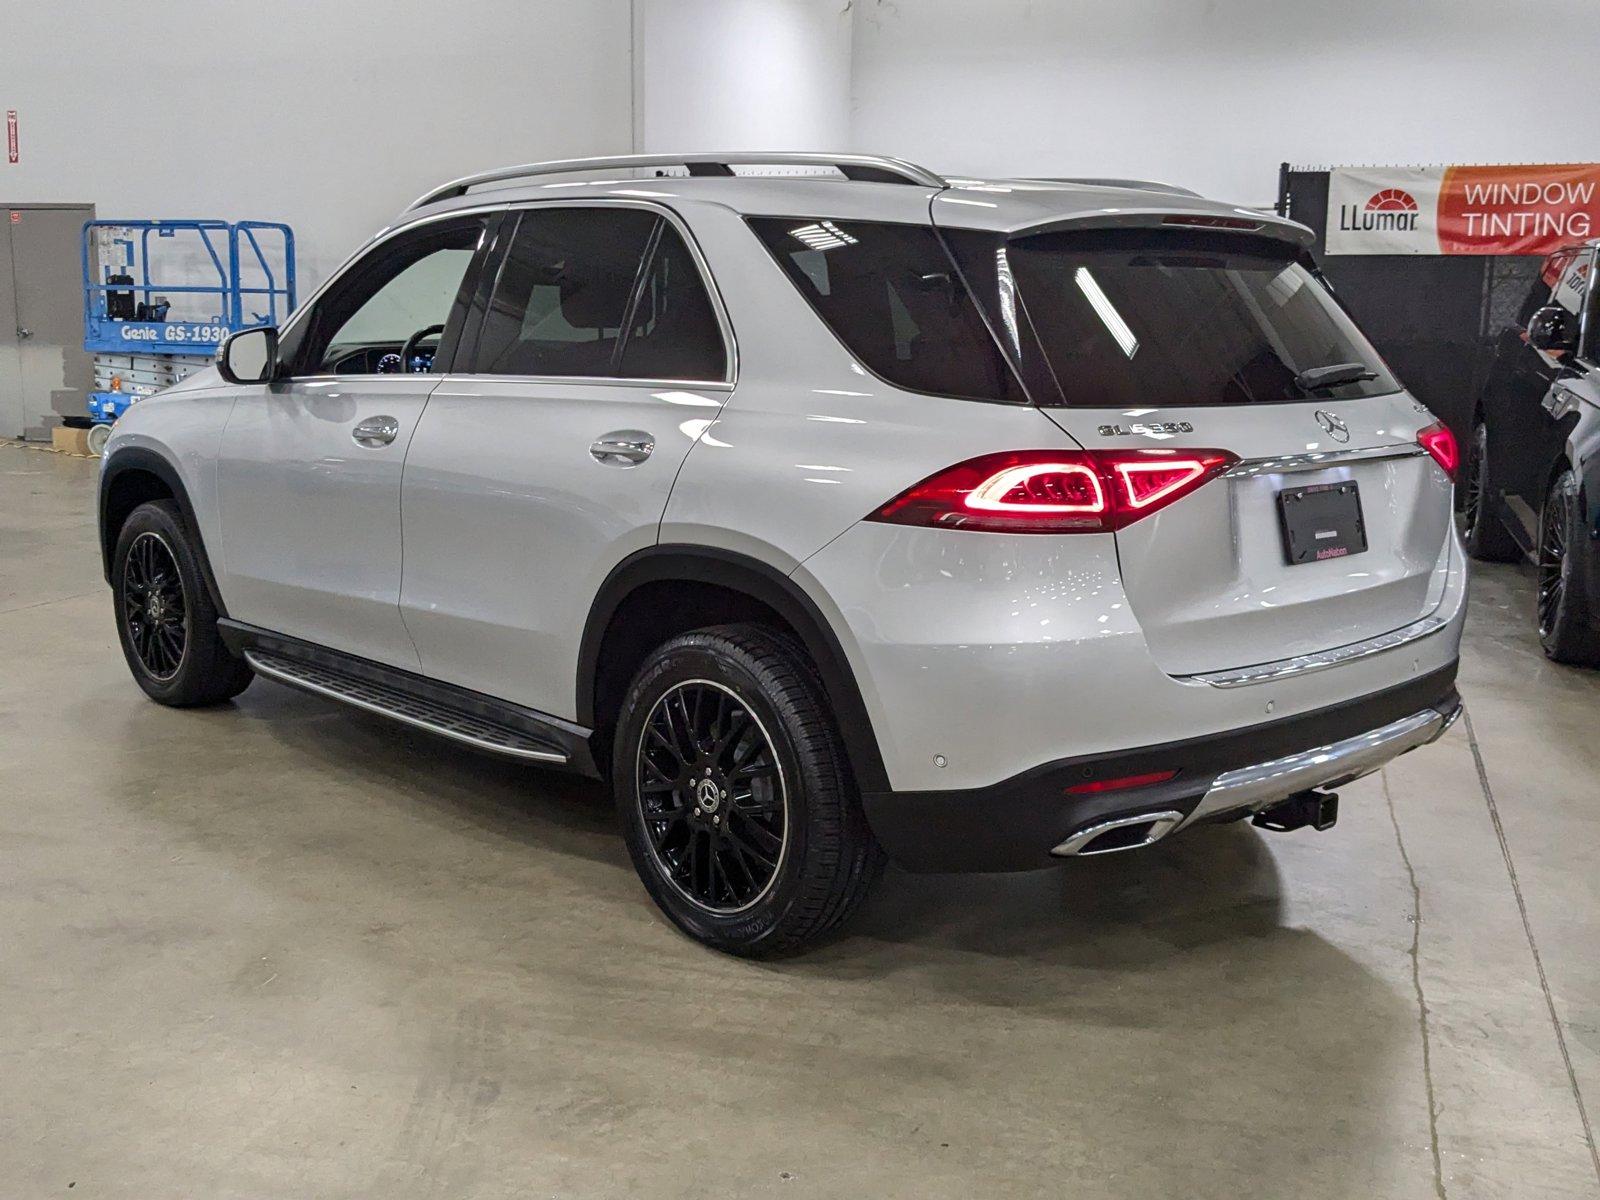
1434 317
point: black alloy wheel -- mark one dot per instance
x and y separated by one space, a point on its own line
1552 564
1568 631
1486 538
154 608
735 793
1472 499
712 797
166 616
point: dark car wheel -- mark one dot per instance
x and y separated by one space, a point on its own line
165 618
1486 538
1566 609
735 794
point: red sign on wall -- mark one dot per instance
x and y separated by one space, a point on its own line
11 135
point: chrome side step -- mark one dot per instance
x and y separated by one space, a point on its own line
404 706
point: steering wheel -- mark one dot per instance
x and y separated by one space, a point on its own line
415 340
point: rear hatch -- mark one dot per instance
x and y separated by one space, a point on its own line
1331 527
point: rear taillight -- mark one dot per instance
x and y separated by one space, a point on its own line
1054 491
1438 441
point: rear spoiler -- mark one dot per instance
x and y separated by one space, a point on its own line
1237 220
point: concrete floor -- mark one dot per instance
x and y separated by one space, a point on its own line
283 950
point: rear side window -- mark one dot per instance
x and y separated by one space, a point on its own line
563 291
599 292
673 333
892 295
1160 319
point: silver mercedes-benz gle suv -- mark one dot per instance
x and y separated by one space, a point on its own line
830 509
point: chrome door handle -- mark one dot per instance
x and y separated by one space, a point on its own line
23 334
376 431
624 448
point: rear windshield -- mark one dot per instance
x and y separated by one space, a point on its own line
1153 319
891 294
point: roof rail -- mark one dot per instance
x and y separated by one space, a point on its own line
1146 185
865 168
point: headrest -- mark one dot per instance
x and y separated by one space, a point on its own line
597 299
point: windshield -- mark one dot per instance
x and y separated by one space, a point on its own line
1156 319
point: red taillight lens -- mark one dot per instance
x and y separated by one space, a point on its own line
1116 785
1054 491
1438 441
1200 221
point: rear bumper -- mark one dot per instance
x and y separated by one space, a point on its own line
1014 825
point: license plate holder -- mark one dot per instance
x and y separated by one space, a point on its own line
1322 521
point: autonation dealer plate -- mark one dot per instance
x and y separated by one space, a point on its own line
1322 521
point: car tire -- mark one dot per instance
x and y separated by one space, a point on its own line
1566 610
1486 537
736 797
166 620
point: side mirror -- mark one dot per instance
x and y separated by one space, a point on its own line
249 356
1553 329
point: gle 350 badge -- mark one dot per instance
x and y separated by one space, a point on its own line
1156 429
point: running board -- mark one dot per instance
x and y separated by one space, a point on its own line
455 713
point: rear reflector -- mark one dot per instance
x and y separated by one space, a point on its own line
1054 491
1438 441
1117 785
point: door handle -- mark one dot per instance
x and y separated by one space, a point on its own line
376 431
623 448
23 334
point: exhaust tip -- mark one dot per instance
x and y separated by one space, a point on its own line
1121 833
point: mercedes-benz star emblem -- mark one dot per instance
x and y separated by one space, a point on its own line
1333 426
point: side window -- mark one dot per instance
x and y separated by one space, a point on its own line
403 294
891 294
563 292
673 333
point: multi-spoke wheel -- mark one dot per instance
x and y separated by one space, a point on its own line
165 616
1567 611
153 608
1486 538
735 793
712 796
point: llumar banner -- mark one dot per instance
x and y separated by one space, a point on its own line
1462 210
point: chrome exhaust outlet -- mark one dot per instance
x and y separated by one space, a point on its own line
1121 833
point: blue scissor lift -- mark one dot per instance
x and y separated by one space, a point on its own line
159 297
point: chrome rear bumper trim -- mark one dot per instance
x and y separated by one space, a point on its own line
1256 787
1321 460
1302 664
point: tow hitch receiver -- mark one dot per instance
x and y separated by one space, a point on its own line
1320 810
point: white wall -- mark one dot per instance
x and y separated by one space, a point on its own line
331 114
1214 94
328 114
742 75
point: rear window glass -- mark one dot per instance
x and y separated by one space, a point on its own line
891 294
563 292
1159 320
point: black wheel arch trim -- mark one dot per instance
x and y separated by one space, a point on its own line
765 584
149 462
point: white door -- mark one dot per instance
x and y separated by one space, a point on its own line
548 458
310 465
